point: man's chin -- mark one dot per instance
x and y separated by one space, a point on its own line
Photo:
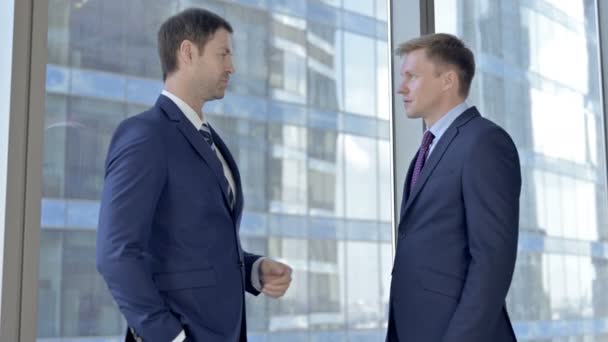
219 96
411 115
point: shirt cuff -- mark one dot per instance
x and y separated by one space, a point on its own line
181 337
256 282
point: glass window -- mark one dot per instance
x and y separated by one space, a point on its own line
141 36
384 175
361 168
325 173
360 68
287 77
382 93
252 53
59 33
363 297
555 117
291 312
49 285
386 266
287 169
303 161
365 7
325 67
382 9
249 147
327 284
257 307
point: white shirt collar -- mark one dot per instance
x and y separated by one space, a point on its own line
186 109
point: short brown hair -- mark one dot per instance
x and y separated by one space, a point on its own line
194 24
443 48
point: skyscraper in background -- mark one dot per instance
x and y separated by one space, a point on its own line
538 75
306 116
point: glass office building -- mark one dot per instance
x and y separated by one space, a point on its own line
538 76
307 117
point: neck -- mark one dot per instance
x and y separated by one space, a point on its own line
182 90
441 111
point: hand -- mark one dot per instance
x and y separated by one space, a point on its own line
275 278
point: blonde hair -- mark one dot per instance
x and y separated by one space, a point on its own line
445 49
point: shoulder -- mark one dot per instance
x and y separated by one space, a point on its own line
482 130
143 131
150 123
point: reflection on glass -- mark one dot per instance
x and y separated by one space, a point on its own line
386 265
324 67
365 7
361 166
384 174
304 162
359 72
556 119
257 307
327 284
287 169
382 81
363 302
291 312
382 9
251 32
287 76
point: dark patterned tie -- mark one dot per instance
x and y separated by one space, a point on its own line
206 133
423 152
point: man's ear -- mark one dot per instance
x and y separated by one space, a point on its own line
449 80
185 52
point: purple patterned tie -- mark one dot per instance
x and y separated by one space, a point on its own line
427 139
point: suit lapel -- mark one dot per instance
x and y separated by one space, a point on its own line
196 141
437 154
238 201
431 163
408 180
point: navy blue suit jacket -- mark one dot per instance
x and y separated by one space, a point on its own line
168 243
457 239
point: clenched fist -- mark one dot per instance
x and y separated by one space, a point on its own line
275 278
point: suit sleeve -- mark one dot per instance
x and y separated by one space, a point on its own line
491 188
250 259
134 178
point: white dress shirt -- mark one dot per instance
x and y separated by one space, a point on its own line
198 123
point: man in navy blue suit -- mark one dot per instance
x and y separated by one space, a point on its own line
168 239
458 228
